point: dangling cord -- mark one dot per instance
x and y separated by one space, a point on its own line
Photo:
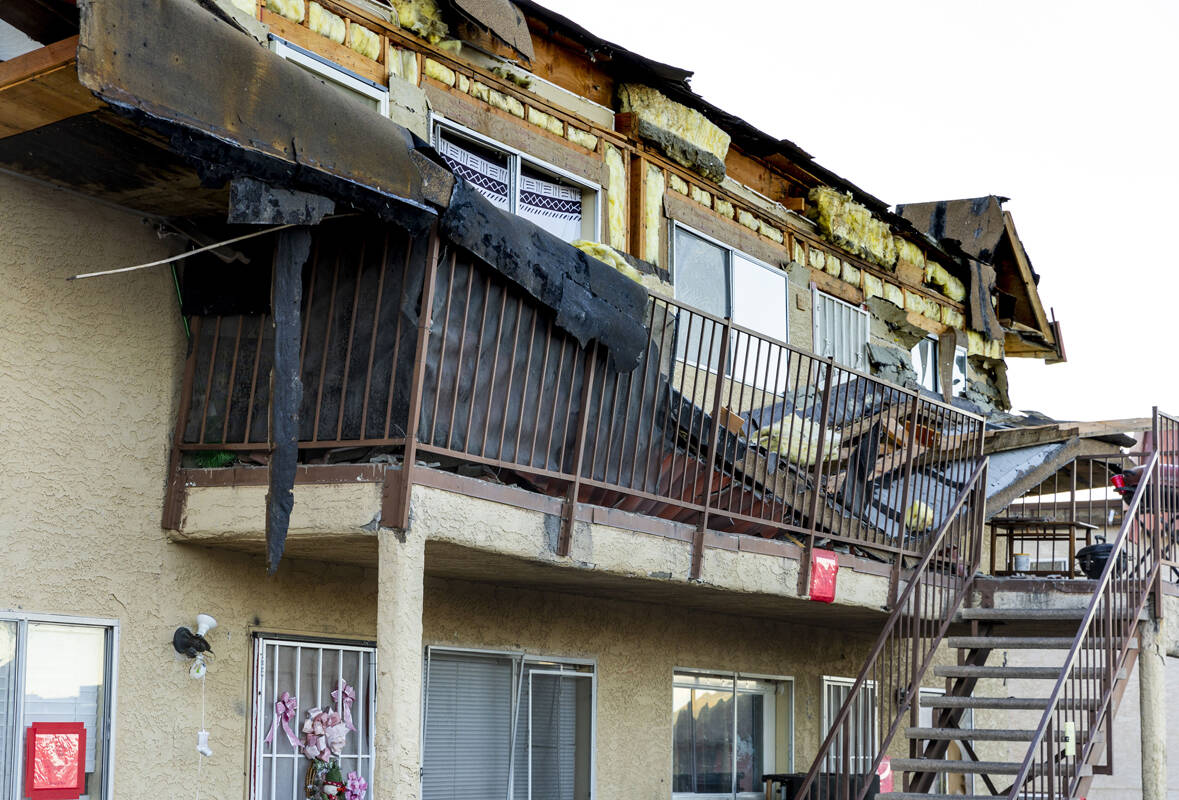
200 755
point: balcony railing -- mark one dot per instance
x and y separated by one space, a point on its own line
718 426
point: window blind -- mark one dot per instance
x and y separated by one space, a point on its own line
468 738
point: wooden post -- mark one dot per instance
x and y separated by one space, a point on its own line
286 387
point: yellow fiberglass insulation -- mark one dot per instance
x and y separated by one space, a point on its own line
653 213
686 123
607 254
423 17
364 41
951 287
616 203
851 226
798 440
291 9
325 23
919 517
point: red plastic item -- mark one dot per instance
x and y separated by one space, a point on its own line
824 570
55 760
884 771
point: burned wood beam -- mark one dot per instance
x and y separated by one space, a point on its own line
286 388
254 202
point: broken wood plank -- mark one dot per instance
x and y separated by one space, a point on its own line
286 388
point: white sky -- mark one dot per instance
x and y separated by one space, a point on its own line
1068 108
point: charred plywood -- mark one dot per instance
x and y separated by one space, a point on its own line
234 108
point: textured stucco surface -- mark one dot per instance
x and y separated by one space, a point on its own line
89 373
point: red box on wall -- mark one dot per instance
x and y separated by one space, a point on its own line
824 570
55 761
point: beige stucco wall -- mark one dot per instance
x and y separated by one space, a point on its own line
89 372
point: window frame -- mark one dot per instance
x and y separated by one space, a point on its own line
517 160
329 70
110 676
735 677
261 715
826 713
817 293
519 659
730 251
959 352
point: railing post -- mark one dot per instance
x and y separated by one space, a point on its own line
1156 514
175 492
710 465
396 494
804 571
565 540
894 579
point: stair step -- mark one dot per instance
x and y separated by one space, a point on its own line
943 765
986 734
924 796
1010 642
1007 703
1045 614
1044 673
978 767
972 734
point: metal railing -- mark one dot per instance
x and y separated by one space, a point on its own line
888 686
415 351
1083 700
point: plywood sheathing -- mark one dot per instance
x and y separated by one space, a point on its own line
41 87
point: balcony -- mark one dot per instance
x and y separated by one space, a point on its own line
749 443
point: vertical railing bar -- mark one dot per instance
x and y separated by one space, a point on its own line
327 340
351 341
467 446
254 379
209 379
645 366
442 345
804 572
499 333
524 392
718 390
651 448
397 338
503 428
237 343
564 542
458 379
372 343
556 393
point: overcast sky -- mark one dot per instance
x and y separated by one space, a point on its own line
1068 108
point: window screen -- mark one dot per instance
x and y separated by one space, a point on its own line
840 330
309 671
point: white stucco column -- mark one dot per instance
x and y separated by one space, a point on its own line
401 563
1152 686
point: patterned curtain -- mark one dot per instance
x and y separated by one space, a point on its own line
554 207
489 177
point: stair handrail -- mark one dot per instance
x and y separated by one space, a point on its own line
922 612
1099 621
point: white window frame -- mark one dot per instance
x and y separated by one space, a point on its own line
770 724
829 713
16 746
517 159
519 659
262 716
959 352
331 71
816 333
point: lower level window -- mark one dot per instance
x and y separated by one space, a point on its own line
859 747
506 726
727 731
302 675
56 694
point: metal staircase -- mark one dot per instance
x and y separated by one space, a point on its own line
1042 718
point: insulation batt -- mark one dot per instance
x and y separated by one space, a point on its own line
325 23
423 18
850 225
686 123
616 202
951 287
801 445
291 9
364 41
608 255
